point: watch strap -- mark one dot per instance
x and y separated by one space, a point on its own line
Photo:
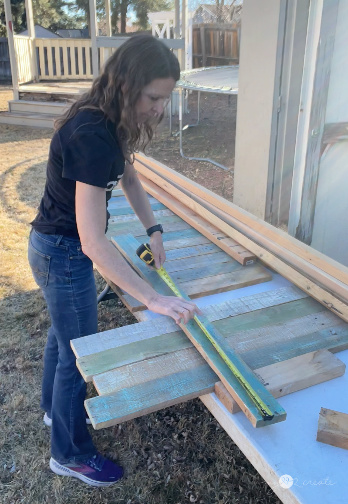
153 229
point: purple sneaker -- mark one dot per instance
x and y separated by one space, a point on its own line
96 471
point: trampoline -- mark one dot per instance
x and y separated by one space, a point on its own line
220 80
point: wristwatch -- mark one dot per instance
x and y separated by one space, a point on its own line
153 229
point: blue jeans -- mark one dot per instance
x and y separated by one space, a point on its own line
65 275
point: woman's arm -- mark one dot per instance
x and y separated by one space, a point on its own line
90 218
138 200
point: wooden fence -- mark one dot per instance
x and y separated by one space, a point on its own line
5 67
215 45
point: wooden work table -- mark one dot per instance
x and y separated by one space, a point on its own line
319 471
267 321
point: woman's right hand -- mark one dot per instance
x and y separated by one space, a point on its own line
176 307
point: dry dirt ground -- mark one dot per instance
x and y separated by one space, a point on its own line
176 456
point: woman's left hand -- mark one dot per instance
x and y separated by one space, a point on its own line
156 244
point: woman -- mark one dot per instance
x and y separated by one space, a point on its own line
91 150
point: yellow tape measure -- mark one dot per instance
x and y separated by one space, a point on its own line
144 252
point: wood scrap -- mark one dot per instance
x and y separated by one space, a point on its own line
333 428
286 377
328 300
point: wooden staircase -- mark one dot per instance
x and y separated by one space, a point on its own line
39 114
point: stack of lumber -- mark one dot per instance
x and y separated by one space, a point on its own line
197 265
321 277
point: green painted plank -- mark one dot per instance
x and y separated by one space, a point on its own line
91 365
127 245
147 370
132 402
111 358
114 338
128 210
334 339
270 316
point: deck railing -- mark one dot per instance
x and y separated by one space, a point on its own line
65 58
62 59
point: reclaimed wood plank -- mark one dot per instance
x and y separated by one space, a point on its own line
252 275
199 262
106 360
204 346
286 377
333 428
150 369
137 229
114 338
129 403
201 224
128 210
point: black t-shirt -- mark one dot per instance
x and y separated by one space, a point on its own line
85 149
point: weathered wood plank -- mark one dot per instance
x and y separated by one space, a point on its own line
128 210
148 370
202 261
333 428
271 316
195 288
105 411
252 275
162 325
137 229
122 222
205 271
106 360
229 378
286 377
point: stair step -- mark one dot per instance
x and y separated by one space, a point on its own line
37 107
27 119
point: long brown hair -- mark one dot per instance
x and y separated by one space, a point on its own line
116 91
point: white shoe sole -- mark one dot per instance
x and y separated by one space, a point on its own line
48 421
62 470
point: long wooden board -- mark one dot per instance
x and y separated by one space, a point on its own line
324 297
314 257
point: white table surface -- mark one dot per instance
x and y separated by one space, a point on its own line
318 473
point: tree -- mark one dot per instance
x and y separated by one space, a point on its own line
51 14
